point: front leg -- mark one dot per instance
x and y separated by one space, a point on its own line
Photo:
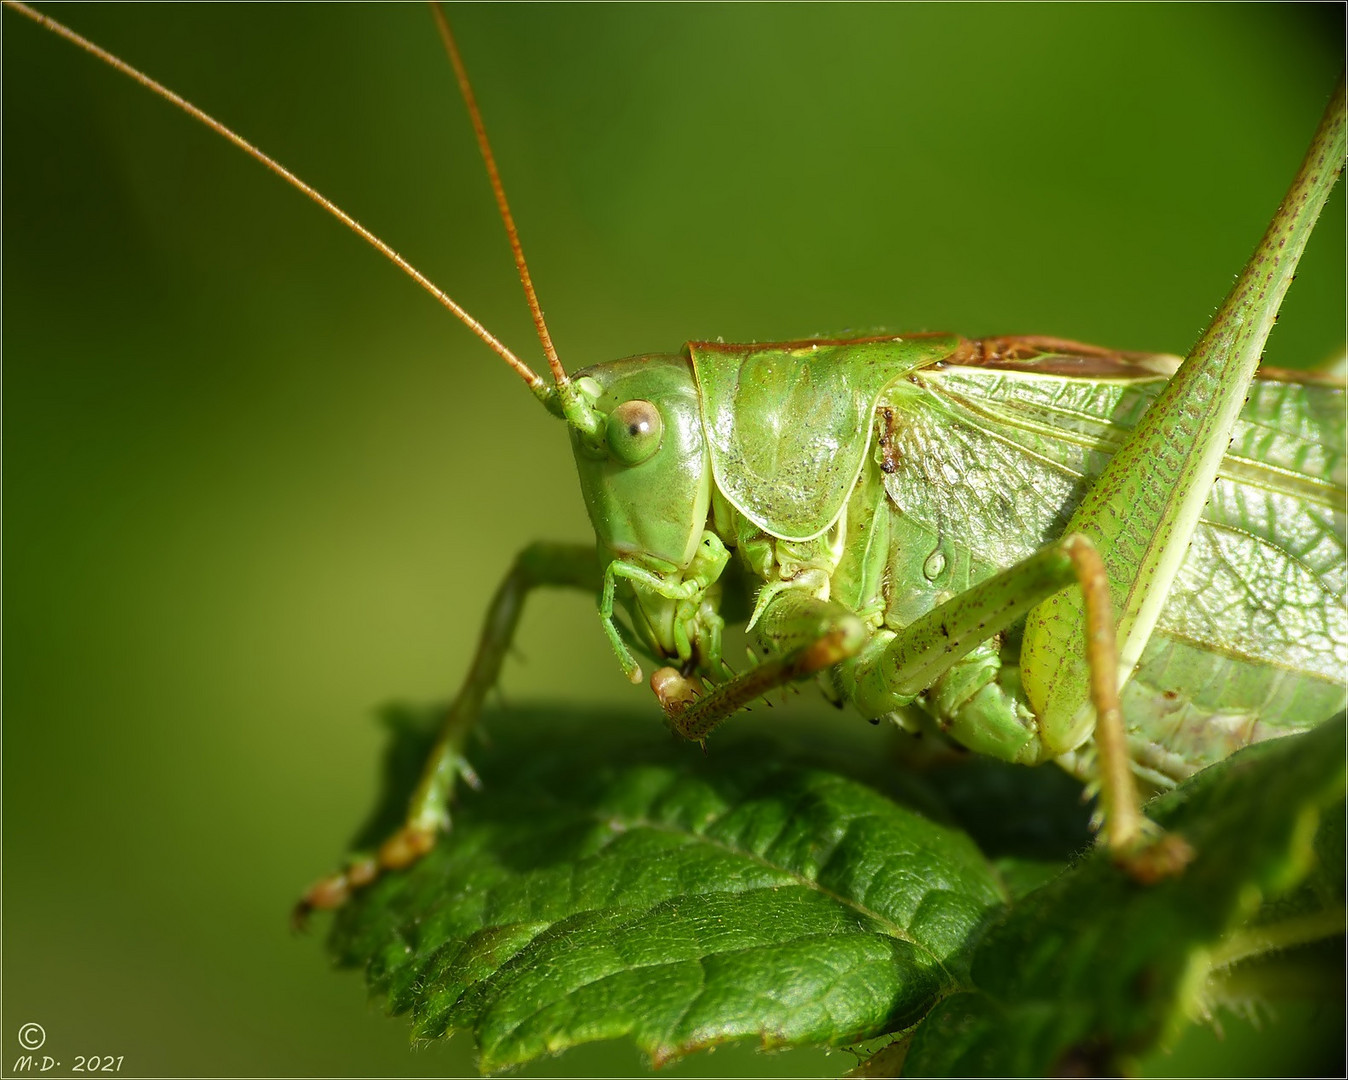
803 635
572 566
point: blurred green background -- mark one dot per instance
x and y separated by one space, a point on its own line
258 484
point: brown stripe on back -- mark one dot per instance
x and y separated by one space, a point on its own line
965 347
1058 356
1036 353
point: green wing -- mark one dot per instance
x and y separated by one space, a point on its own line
1253 638
788 425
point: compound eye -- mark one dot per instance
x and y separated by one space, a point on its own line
634 431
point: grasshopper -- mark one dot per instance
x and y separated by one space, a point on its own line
817 579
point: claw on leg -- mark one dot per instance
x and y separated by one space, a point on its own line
1155 858
334 890
674 691
400 850
428 818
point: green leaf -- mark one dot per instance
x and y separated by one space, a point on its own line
1092 969
596 889
609 882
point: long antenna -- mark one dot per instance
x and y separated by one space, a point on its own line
534 381
480 130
